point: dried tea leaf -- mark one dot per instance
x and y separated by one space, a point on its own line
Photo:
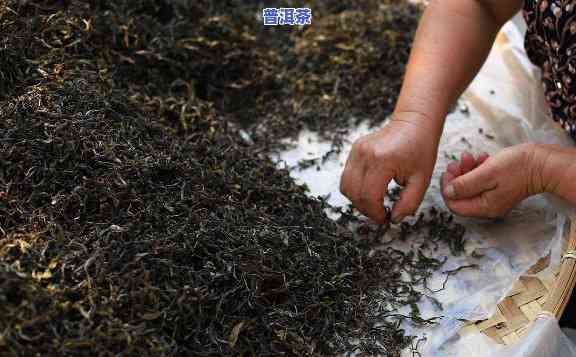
233 338
152 316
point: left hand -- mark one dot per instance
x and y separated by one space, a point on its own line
490 186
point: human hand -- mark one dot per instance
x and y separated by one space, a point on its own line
491 186
404 150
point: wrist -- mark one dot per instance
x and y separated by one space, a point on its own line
551 167
539 168
430 125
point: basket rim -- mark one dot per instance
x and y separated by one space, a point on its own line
532 297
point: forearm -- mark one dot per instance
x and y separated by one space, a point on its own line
554 171
452 42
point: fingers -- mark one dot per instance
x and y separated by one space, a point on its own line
365 188
410 199
454 169
482 157
371 199
469 185
352 177
447 177
467 162
476 206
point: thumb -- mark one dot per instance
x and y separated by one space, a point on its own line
410 199
469 185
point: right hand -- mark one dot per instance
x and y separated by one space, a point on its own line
404 150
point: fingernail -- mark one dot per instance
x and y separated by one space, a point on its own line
450 192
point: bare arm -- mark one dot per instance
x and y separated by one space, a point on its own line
452 42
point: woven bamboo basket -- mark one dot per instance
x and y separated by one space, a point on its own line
531 297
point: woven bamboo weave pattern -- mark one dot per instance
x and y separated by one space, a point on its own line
531 296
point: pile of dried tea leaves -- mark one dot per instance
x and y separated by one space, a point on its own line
344 69
136 219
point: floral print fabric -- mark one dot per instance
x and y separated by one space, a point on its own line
551 45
